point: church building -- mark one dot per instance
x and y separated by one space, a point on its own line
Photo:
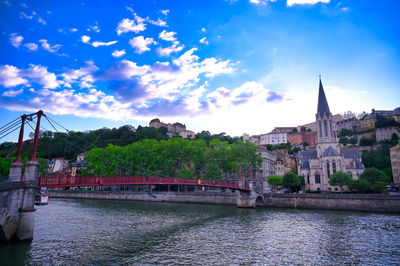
316 166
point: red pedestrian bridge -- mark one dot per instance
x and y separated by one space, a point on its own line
64 181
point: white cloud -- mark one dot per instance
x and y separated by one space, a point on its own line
84 76
10 76
118 53
167 36
176 47
16 40
305 2
165 12
136 25
85 39
51 48
261 2
23 15
97 43
158 22
13 93
41 21
31 46
203 29
24 5
39 74
141 44
73 29
345 9
94 28
204 41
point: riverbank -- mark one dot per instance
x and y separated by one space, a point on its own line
346 202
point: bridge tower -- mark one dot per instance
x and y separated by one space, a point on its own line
18 193
247 199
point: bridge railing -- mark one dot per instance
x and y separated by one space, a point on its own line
74 181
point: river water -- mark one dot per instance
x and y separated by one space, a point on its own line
76 232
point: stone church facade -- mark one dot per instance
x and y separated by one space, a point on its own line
316 166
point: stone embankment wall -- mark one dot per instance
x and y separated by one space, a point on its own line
208 197
348 202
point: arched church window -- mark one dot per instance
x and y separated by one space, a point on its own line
320 129
317 178
333 167
328 170
326 128
330 125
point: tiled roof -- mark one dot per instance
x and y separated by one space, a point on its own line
330 152
305 165
310 154
348 153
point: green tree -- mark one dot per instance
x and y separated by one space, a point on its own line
367 141
353 141
292 181
376 178
344 141
340 179
360 185
275 181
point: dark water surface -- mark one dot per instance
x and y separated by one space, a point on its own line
76 232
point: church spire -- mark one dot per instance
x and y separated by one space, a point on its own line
323 106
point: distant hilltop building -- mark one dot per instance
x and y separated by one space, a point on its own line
368 121
175 128
316 166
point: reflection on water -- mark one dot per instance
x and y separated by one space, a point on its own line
110 232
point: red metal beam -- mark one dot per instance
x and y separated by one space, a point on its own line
21 138
83 181
36 139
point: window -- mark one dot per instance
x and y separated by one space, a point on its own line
326 128
308 179
317 178
333 167
328 170
320 129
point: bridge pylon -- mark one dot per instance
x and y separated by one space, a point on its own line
18 193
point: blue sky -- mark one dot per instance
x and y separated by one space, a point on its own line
223 66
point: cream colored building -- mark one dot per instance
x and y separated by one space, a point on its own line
316 166
395 159
273 138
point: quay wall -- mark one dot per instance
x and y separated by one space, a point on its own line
347 202
207 197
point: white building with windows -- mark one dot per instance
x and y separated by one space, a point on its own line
316 166
273 138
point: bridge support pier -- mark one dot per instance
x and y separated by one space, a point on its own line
17 203
247 199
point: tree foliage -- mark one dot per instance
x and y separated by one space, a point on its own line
365 141
379 158
340 179
292 181
275 181
175 157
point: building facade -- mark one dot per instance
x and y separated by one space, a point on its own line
273 138
352 124
298 138
317 165
386 133
395 160
268 164
175 128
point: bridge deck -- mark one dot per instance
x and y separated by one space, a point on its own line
83 181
